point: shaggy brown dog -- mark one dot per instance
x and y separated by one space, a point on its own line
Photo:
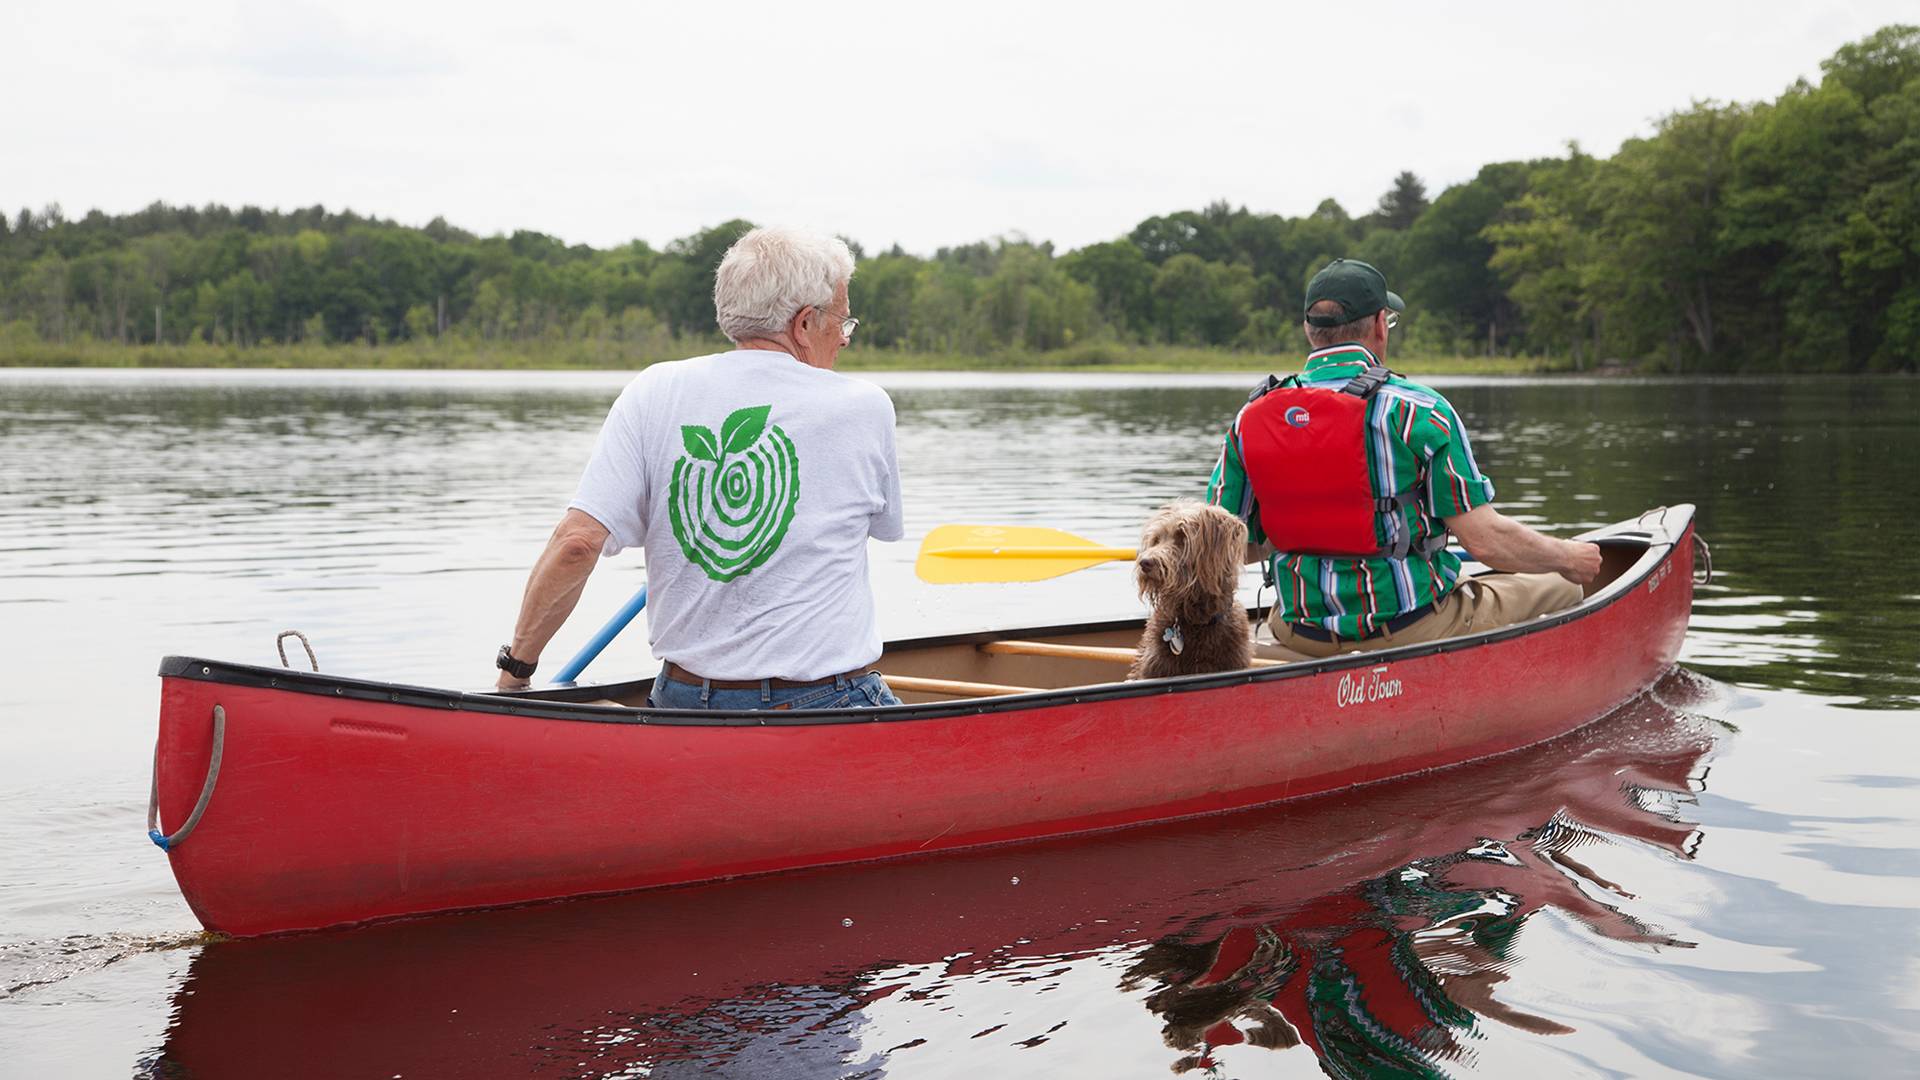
1188 567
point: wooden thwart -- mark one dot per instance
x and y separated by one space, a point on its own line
1108 653
955 688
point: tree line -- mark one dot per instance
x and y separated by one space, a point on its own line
1780 235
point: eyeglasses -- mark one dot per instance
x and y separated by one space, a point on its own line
847 322
1393 318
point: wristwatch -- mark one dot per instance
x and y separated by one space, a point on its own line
519 669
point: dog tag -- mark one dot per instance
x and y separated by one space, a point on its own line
1174 638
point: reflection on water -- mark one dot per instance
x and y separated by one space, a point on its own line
1799 486
1552 914
1375 928
1385 977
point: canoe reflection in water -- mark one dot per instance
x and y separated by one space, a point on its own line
1371 927
1378 979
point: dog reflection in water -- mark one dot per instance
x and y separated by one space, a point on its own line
1188 568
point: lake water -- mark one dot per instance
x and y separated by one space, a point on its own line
1722 879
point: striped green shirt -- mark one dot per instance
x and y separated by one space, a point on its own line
1415 442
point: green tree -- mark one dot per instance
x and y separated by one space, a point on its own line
689 306
206 313
1201 303
47 283
1659 262
1183 233
1122 281
244 304
1823 197
1403 203
881 294
420 323
944 317
1884 63
1448 254
1543 252
1880 249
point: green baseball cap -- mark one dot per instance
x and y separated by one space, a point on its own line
1357 287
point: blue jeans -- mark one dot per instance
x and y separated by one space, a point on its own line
840 693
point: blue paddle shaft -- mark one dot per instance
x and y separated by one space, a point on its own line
607 633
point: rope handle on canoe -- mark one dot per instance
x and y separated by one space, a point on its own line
1703 570
162 840
280 642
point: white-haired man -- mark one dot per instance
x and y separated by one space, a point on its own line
753 478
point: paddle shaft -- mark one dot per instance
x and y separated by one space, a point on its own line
606 634
1010 552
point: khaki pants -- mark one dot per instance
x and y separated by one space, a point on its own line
1477 603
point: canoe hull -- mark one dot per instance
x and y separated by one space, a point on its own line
335 807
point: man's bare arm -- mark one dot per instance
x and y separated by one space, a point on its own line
1505 544
554 587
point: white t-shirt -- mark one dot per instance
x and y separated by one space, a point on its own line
753 481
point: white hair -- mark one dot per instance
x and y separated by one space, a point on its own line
770 274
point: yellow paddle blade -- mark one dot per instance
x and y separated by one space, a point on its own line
962 554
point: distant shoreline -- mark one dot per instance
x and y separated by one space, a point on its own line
586 356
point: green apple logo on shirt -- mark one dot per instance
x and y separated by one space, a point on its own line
732 498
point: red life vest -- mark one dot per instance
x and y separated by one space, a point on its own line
1305 452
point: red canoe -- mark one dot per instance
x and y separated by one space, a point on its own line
302 800
612 981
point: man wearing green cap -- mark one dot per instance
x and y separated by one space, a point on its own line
1350 477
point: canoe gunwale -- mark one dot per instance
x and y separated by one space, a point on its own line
553 704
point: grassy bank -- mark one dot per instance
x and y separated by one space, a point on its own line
614 356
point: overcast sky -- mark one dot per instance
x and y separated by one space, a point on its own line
923 124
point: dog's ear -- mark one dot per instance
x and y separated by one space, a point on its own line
1224 529
1220 546
1159 527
